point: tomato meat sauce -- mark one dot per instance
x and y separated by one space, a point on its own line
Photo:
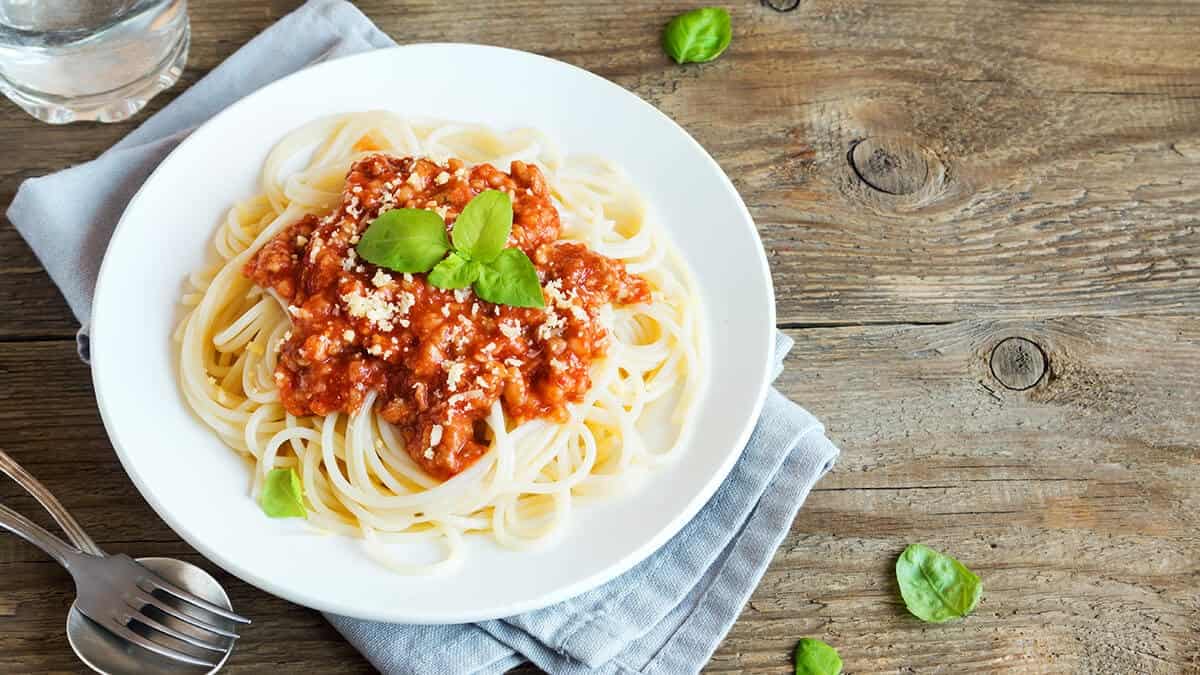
436 359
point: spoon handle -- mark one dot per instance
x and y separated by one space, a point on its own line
65 520
34 534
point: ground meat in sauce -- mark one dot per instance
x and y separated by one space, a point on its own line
437 359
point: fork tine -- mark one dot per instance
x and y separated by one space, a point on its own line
153 624
123 631
163 585
142 598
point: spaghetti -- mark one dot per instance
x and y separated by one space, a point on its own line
363 462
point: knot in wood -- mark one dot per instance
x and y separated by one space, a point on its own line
782 5
897 166
1017 363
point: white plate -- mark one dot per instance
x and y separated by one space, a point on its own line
200 487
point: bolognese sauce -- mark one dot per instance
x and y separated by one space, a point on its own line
436 359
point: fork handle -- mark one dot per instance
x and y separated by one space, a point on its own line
33 533
65 520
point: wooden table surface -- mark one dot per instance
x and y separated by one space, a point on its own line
931 180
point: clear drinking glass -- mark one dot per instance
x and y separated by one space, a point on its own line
90 60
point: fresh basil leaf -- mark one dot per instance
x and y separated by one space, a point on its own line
405 240
814 657
282 495
936 587
697 36
510 279
454 272
483 226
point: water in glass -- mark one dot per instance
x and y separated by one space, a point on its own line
98 60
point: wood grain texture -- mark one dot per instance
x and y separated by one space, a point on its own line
1076 501
1043 183
1065 138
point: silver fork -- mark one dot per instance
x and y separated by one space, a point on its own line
114 590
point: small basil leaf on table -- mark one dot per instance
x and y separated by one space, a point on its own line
698 36
282 495
936 587
405 240
814 657
483 226
510 279
454 272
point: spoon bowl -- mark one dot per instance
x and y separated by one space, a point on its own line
103 652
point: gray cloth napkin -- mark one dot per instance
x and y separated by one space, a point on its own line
666 615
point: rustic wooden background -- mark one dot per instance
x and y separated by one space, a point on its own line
930 179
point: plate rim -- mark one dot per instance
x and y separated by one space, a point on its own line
325 603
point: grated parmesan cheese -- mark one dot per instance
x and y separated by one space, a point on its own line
455 374
552 326
435 436
381 278
511 329
466 395
374 307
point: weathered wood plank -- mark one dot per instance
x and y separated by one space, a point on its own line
1068 141
1075 500
1049 160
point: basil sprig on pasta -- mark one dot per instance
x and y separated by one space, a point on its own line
282 494
415 241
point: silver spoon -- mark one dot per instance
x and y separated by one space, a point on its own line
155 615
105 653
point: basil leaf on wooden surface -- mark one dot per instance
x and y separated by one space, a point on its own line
454 272
482 228
405 240
936 587
510 279
697 36
282 495
814 657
